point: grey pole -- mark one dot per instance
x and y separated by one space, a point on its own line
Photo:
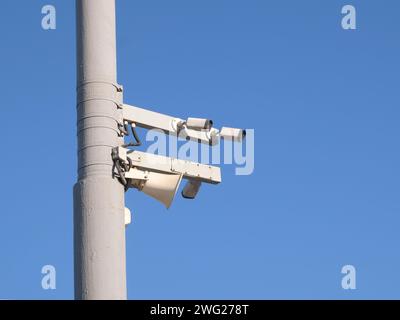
99 226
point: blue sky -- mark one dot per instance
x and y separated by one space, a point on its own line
324 103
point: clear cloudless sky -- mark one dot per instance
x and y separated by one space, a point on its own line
324 103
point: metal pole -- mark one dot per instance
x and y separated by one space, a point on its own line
99 227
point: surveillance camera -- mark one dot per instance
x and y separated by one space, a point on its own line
233 134
191 189
198 124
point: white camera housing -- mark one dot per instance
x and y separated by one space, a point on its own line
232 134
198 123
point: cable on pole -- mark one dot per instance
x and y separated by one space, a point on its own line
122 166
